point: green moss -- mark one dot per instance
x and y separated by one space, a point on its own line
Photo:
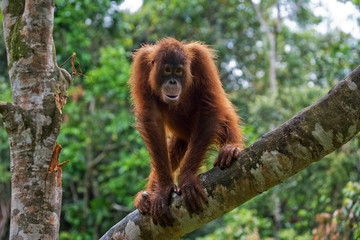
16 7
15 43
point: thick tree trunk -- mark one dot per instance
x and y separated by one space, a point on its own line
306 138
33 119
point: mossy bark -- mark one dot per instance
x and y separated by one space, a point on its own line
306 138
33 119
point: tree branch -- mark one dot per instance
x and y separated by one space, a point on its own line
101 156
310 135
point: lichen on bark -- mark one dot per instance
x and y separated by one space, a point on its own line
15 42
16 7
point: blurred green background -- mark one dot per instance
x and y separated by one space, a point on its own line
108 160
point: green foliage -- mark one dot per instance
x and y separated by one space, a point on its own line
290 233
4 157
344 222
5 90
4 163
3 62
85 27
267 111
350 213
240 224
318 53
105 151
230 28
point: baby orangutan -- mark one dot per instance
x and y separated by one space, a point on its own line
178 94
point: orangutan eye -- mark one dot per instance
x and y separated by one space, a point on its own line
167 70
179 71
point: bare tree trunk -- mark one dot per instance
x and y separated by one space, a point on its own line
272 69
306 138
33 119
272 40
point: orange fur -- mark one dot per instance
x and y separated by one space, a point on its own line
203 116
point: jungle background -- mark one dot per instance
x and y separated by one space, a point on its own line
109 161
